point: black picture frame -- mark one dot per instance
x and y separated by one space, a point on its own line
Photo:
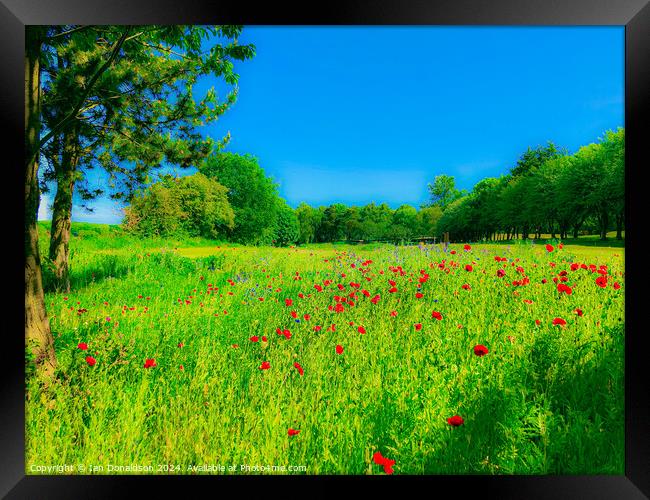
633 14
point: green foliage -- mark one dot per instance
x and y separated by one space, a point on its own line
287 229
134 87
252 195
193 205
443 191
548 192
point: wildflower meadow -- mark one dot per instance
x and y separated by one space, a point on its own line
335 359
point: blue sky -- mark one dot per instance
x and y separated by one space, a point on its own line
361 114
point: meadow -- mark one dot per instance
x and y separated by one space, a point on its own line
333 359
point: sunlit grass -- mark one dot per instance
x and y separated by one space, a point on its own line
545 399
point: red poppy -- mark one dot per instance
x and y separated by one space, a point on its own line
437 315
501 273
466 287
288 302
293 432
83 346
564 288
254 338
339 349
578 311
375 299
265 365
393 313
616 286
150 363
299 368
418 326
419 295
559 321
601 281
317 328
480 350
387 463
467 248
180 345
456 420
361 329
549 248
469 268
91 361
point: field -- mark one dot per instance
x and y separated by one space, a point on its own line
314 359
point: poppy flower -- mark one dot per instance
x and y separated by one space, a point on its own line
149 363
254 338
387 463
578 311
83 346
559 321
393 313
317 328
456 420
616 286
339 349
601 281
91 361
293 432
467 248
480 350
288 302
549 248
501 273
180 345
419 295
418 326
466 287
375 299
469 268
361 329
265 365
299 368
437 315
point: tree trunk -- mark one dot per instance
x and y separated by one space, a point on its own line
619 227
38 336
62 212
604 222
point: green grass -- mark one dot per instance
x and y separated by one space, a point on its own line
545 399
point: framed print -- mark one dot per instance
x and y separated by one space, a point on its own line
363 245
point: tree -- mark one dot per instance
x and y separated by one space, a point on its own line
308 220
332 227
443 191
38 336
252 195
138 114
287 228
427 219
533 158
405 223
190 206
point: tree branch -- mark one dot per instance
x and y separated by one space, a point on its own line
54 130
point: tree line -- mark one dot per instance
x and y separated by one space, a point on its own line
548 191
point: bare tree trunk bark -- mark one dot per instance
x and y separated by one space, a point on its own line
38 336
62 212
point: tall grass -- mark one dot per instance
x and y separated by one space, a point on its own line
545 399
